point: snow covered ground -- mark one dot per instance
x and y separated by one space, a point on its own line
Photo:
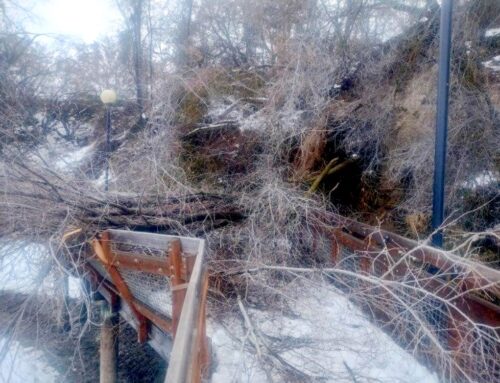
492 32
493 64
25 271
327 338
25 365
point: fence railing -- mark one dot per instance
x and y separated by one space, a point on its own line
190 355
443 308
162 281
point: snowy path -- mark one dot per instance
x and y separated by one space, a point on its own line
325 338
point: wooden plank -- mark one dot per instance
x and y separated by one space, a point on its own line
336 251
200 357
144 263
189 261
204 354
154 241
480 276
178 294
176 261
180 361
163 323
349 241
473 276
99 283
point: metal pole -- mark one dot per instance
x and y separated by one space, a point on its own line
108 146
441 120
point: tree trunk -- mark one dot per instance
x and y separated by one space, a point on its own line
138 54
184 33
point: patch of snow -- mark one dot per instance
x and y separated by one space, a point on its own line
99 182
21 267
255 122
492 32
468 45
61 155
224 109
39 117
24 268
232 362
75 157
25 365
493 64
483 179
74 287
325 338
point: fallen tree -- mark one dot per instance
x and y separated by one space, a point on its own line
37 205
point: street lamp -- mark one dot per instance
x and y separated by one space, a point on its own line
108 98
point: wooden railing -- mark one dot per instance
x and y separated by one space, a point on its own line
458 300
130 269
190 355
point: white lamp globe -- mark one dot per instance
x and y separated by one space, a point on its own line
108 96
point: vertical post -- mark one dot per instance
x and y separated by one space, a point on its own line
65 292
178 292
108 343
441 120
108 146
336 251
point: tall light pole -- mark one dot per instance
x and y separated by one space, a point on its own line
441 121
108 98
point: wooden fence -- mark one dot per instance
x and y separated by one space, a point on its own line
457 300
160 284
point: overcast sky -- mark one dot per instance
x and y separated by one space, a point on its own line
82 19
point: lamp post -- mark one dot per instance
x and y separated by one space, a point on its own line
441 121
108 98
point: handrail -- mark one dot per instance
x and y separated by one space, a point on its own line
189 357
429 278
180 259
474 274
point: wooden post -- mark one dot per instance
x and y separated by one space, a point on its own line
204 352
336 251
178 284
109 343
